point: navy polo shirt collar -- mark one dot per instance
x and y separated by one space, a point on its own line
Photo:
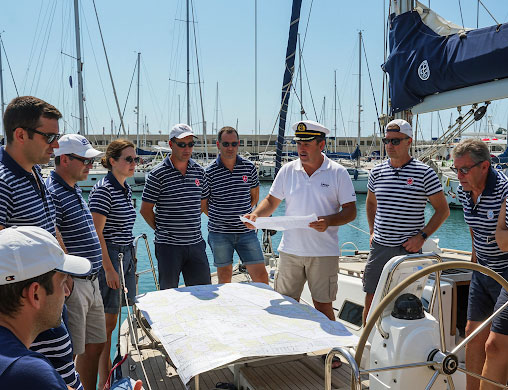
56 177
221 164
12 165
490 185
116 185
401 167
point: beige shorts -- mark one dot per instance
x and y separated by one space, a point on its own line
87 324
321 273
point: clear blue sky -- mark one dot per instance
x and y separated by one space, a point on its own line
36 32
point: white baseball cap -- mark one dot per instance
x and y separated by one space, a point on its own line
76 144
29 251
403 127
179 131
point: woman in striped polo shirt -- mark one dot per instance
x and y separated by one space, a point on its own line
114 216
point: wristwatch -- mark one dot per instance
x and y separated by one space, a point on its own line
423 234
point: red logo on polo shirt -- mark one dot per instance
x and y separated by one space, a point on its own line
244 178
197 182
410 181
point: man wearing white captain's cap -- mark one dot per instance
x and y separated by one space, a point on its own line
311 184
33 274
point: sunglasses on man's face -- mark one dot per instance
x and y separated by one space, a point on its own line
183 144
465 170
394 141
131 159
50 138
226 144
85 161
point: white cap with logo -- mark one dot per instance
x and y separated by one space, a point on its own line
29 251
181 130
403 127
76 144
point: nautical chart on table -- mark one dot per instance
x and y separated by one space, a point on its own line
205 327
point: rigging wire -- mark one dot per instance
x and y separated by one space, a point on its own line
492 16
8 64
199 76
308 84
371 85
461 17
128 94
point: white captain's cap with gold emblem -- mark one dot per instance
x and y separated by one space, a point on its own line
308 130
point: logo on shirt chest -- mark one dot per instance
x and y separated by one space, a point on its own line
325 185
490 214
197 182
410 181
244 178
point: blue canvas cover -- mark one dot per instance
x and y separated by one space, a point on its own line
451 61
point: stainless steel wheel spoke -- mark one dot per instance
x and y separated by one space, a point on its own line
440 311
451 385
432 381
478 376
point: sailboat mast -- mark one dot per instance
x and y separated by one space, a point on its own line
217 109
2 102
359 93
137 106
79 65
188 68
301 83
335 110
255 71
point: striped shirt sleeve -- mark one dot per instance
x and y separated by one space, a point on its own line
205 192
431 182
100 201
152 189
5 202
370 183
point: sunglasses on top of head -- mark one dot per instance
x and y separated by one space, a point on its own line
183 144
393 141
50 138
226 144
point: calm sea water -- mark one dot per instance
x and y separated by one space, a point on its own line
453 234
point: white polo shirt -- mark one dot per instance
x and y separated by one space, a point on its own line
323 193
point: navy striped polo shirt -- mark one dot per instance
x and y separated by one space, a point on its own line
24 199
110 199
74 221
230 195
482 219
177 200
401 195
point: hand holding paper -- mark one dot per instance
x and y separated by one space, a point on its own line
282 223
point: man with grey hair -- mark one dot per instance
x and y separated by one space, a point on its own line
482 192
398 190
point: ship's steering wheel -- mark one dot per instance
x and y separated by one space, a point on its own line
442 361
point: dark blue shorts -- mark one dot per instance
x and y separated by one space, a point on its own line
110 297
246 245
190 260
485 296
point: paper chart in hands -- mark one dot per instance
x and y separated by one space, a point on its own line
282 223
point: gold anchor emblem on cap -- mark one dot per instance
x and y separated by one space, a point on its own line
301 127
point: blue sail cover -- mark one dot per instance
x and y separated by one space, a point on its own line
422 62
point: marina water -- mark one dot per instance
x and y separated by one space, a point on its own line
453 234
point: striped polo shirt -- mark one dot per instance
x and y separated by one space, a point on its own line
25 201
177 200
74 221
110 199
230 195
481 217
401 195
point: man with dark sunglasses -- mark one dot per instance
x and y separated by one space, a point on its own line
398 191
32 132
234 191
73 160
482 192
178 190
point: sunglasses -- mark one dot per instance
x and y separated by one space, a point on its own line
393 141
85 161
465 171
183 144
131 159
50 138
233 144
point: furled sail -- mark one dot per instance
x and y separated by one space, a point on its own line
432 55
